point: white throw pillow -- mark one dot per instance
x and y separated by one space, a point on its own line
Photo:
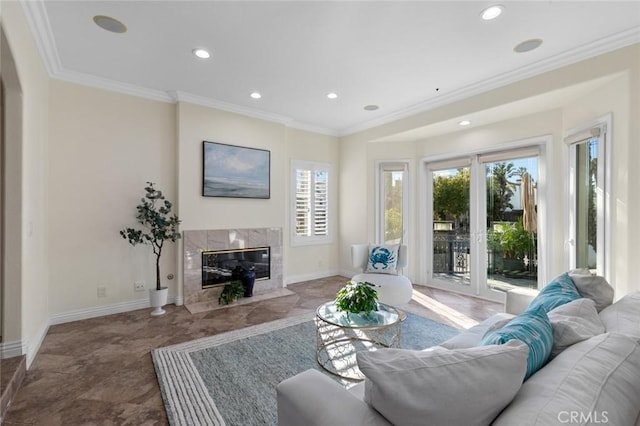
474 335
574 322
443 387
593 287
383 259
597 379
623 316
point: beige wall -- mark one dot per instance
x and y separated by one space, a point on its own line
620 96
104 147
31 185
617 98
312 261
197 123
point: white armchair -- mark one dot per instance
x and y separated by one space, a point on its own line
394 290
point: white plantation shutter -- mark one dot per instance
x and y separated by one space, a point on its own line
303 202
321 209
311 207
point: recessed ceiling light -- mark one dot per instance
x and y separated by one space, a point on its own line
255 95
528 45
371 107
492 12
464 123
201 53
110 24
332 95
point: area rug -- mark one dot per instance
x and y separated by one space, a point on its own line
230 378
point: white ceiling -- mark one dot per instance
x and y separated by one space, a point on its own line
405 57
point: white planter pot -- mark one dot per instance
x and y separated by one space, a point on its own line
158 299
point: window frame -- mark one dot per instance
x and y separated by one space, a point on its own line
313 167
600 128
397 166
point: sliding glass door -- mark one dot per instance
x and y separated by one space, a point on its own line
482 222
451 226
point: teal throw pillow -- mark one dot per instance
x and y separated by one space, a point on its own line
531 328
383 259
558 292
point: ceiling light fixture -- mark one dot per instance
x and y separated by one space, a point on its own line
492 12
332 95
464 123
201 53
255 95
371 107
528 45
110 24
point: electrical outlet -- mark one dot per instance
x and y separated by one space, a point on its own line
138 286
102 292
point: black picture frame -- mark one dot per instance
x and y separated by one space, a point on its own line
234 171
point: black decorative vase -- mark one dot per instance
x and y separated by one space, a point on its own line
248 278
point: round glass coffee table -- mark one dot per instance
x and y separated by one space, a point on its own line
340 335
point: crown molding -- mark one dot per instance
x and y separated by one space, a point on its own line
180 96
113 86
38 22
191 98
40 27
587 51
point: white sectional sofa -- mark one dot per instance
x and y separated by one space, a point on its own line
593 381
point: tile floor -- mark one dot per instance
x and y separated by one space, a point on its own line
99 371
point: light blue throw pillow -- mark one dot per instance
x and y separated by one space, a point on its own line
383 259
558 292
533 329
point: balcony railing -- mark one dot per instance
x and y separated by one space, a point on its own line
451 256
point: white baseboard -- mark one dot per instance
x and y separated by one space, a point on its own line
34 344
309 277
11 349
100 311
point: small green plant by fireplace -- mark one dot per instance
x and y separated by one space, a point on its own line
357 297
231 292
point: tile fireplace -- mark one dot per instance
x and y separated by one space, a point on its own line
210 257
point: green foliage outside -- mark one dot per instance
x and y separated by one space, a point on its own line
451 195
356 297
393 224
393 209
154 214
512 240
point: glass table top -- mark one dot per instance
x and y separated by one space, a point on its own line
385 315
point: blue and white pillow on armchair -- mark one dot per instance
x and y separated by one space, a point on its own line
383 259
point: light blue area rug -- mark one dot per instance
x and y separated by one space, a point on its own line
230 378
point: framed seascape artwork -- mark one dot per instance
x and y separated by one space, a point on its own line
235 171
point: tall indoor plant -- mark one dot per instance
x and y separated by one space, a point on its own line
154 214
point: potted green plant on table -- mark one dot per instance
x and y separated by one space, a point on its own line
154 214
357 297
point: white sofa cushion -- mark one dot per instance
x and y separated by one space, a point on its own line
474 335
623 316
593 287
443 387
596 378
574 322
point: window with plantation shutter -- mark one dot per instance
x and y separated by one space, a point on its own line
311 205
